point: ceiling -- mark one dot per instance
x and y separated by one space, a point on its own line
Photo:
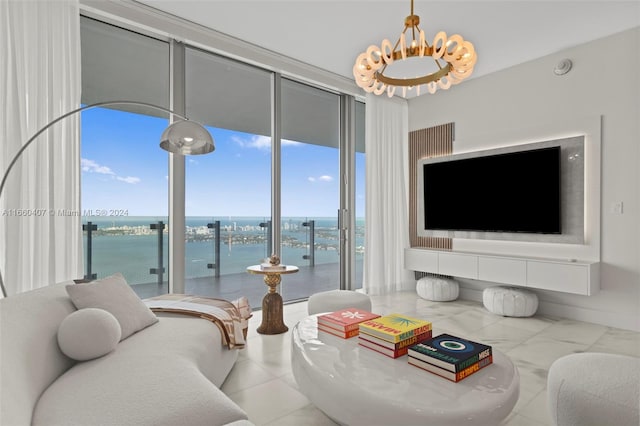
330 34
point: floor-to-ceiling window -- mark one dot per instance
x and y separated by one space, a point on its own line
310 187
228 193
359 192
124 172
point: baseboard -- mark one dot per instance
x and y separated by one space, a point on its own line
576 313
609 319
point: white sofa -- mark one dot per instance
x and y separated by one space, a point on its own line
169 373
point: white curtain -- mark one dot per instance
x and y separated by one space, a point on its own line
386 210
40 223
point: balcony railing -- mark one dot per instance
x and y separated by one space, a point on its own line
217 252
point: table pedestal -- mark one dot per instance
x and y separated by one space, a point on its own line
272 315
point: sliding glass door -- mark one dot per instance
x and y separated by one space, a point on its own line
310 188
230 194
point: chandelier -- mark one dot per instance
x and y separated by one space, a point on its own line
454 61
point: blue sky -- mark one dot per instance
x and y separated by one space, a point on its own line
123 168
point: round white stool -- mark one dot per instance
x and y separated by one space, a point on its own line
510 301
438 289
334 300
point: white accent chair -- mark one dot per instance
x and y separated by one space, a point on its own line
594 389
334 300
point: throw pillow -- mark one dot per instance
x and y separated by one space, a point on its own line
88 333
114 295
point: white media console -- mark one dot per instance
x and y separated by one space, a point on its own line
568 276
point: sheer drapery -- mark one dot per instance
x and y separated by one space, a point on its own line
40 228
386 229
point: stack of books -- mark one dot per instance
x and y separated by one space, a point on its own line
393 334
344 323
450 357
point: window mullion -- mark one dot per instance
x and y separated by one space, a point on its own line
177 104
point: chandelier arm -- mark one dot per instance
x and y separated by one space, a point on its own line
398 54
426 42
62 117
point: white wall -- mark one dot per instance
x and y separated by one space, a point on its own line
528 103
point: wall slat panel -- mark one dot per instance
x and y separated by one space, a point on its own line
432 142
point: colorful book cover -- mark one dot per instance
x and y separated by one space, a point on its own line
406 343
396 350
450 352
346 319
340 333
391 353
450 375
395 327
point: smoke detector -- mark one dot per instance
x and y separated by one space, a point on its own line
563 67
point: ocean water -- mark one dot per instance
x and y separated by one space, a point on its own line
128 245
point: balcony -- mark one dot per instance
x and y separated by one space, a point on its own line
217 255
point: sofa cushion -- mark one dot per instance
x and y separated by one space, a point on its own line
164 375
114 295
88 333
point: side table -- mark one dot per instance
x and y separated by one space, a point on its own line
272 315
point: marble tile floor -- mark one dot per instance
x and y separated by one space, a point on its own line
262 383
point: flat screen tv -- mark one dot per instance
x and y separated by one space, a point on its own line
509 192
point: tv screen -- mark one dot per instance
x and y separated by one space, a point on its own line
511 192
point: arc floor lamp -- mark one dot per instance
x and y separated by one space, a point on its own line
183 137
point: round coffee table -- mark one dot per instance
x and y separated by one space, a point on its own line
354 385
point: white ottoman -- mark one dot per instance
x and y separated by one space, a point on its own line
593 389
438 289
334 300
510 301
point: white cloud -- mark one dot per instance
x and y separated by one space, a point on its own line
286 142
128 179
90 166
256 141
323 178
261 142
